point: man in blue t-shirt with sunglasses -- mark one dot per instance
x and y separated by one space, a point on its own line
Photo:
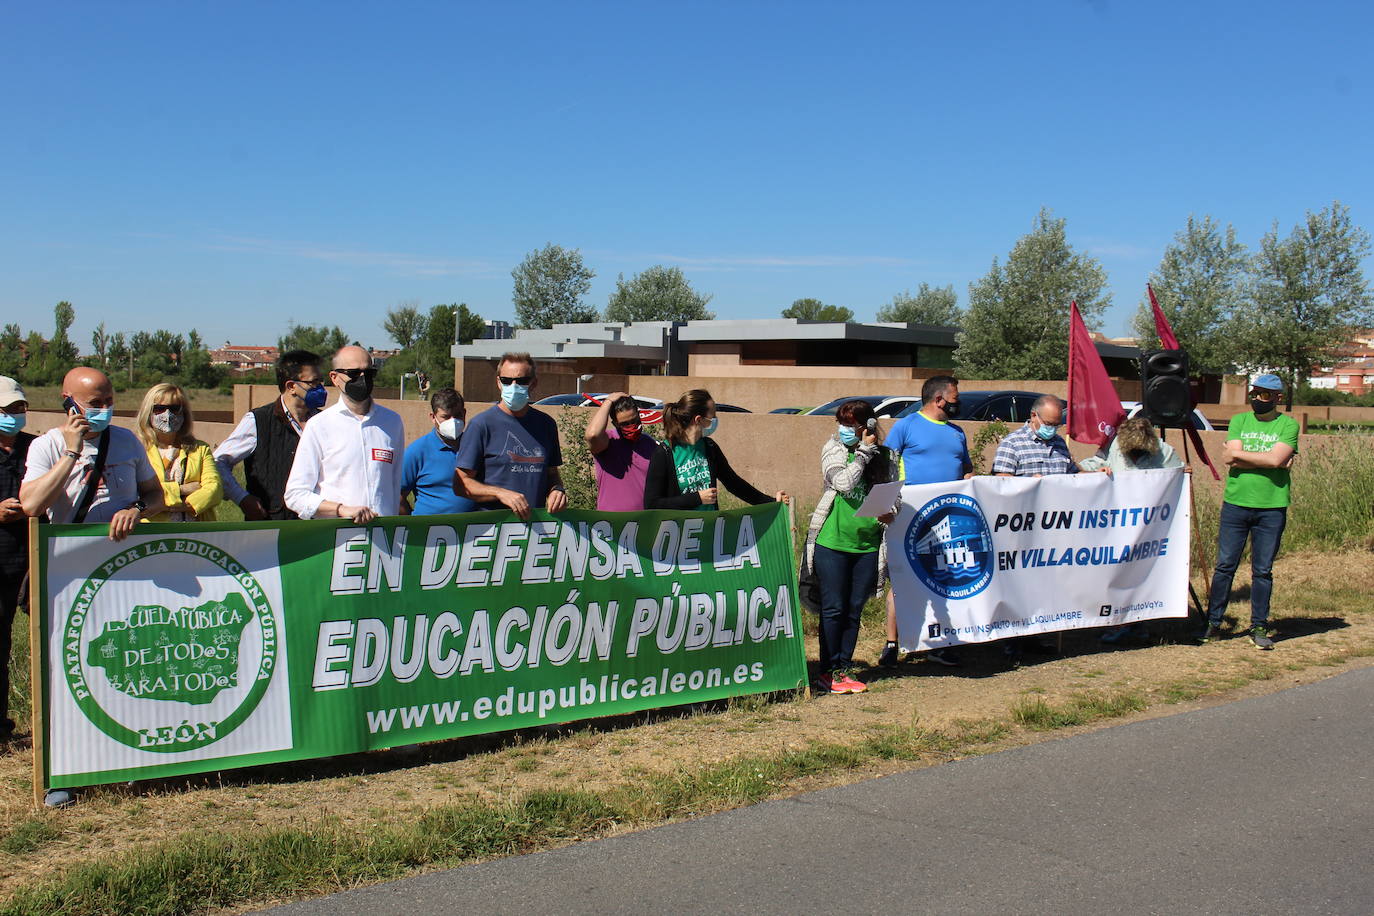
509 456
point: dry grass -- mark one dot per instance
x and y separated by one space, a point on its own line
652 765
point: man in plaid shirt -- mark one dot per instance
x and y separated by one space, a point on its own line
1036 449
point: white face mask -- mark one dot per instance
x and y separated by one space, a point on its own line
167 422
451 429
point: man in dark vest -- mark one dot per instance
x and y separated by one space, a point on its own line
265 439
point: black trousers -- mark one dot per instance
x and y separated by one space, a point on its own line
9 603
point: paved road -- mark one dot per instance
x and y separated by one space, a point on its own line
1260 806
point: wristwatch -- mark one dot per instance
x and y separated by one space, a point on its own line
138 504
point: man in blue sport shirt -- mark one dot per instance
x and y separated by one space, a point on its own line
429 462
932 450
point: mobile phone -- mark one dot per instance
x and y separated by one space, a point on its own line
71 406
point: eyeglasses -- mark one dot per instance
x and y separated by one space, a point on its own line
523 380
355 374
164 408
316 383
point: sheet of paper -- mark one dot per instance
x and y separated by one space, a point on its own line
880 500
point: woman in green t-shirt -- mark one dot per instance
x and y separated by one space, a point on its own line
843 551
688 464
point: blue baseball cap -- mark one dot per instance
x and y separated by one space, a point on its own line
1268 381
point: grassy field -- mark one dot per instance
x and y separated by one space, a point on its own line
49 397
255 836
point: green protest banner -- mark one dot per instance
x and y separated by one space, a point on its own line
197 647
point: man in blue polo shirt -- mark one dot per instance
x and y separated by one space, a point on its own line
429 462
932 450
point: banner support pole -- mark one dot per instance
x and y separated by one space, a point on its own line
1196 552
37 688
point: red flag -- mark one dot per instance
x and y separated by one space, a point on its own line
1094 406
1168 341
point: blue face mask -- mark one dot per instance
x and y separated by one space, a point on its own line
315 397
1046 431
710 428
11 423
847 435
99 418
515 396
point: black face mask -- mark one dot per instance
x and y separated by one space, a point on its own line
1262 407
951 409
1138 455
358 389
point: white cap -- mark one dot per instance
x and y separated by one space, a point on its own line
10 392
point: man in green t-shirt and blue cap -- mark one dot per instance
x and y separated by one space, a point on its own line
1260 448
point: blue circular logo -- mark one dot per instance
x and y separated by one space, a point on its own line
949 546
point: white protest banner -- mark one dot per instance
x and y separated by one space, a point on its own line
992 557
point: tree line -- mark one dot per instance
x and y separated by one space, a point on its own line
1288 306
139 359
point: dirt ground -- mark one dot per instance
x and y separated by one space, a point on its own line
1323 610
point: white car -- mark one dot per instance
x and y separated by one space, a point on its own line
891 407
1199 421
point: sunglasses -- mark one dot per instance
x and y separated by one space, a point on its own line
1264 394
164 408
317 383
632 424
355 374
524 380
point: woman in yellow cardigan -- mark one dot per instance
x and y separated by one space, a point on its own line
185 465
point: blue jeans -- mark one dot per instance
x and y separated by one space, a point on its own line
1264 527
847 581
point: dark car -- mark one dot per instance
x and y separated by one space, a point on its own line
789 410
731 408
562 400
1007 406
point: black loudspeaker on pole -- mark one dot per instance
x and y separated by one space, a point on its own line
1165 396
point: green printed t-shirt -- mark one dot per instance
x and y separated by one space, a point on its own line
1260 488
693 470
845 531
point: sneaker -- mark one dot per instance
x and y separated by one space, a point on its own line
850 684
832 685
58 798
889 657
947 657
1210 632
1260 638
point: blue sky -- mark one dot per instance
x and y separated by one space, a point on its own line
233 166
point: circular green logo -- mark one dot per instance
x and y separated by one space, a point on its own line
155 676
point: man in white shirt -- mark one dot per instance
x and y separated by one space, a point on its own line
62 460
348 462
266 438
